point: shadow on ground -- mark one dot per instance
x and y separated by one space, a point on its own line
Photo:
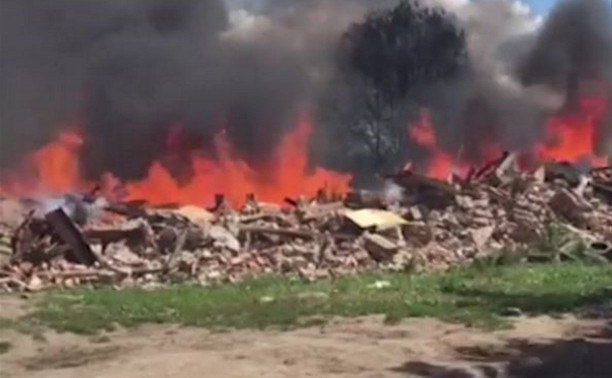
537 304
589 356
560 359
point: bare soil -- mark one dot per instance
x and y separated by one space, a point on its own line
347 348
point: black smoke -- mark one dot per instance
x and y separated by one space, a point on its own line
574 44
573 54
517 74
385 64
128 71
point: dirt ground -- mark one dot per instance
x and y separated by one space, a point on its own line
347 348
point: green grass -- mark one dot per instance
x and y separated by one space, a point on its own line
475 296
6 323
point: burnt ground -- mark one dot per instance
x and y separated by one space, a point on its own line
567 347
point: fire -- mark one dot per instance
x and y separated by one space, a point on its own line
573 136
570 136
234 178
440 164
55 169
56 166
423 133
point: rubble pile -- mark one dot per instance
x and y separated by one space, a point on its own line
434 224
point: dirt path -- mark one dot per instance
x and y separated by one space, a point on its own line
350 348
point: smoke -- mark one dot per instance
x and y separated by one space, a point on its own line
120 70
488 100
481 100
522 69
488 103
515 79
127 72
576 40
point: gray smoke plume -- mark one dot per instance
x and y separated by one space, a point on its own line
516 78
128 72
523 69
575 41
120 70
482 102
573 54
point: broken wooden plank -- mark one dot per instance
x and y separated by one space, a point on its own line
565 171
602 190
222 205
569 206
379 247
277 218
126 209
318 211
294 233
414 181
497 171
298 202
291 201
508 163
171 264
107 264
362 198
70 234
489 168
196 215
136 234
302 234
22 237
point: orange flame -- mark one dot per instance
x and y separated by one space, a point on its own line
55 169
569 136
573 136
440 163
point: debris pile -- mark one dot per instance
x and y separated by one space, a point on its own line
434 224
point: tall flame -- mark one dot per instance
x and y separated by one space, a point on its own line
55 169
570 136
440 162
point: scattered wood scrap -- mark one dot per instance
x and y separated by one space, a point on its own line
433 224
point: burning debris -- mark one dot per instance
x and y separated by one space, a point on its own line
159 100
435 224
191 154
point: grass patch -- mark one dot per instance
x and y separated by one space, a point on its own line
6 323
475 296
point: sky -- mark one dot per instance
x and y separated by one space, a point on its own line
541 7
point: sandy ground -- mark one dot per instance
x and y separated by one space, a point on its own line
347 348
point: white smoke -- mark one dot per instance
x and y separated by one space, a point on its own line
244 23
499 34
392 192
